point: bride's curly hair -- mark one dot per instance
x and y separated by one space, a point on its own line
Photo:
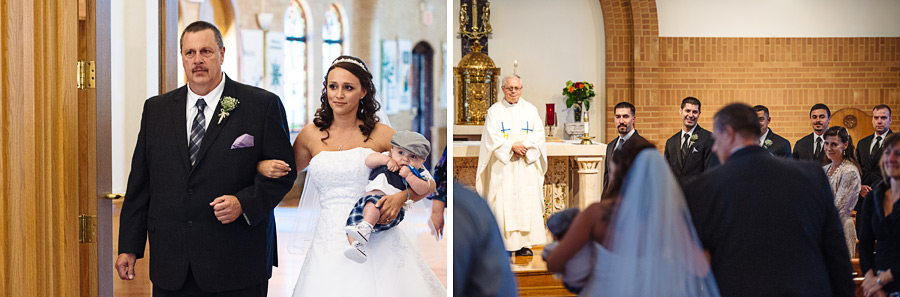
367 106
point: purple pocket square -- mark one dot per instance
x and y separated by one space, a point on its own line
243 141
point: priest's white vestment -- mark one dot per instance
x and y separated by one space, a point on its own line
513 185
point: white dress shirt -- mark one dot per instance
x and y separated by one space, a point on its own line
815 137
211 99
762 139
621 140
689 133
872 145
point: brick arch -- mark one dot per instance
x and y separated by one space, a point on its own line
632 47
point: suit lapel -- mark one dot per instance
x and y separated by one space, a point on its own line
676 147
212 131
864 154
178 115
701 139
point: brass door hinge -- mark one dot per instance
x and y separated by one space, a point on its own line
86 77
87 229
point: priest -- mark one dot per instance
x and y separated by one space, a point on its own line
511 164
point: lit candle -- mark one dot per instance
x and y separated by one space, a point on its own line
551 114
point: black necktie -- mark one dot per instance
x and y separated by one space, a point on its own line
684 146
818 145
198 130
877 144
619 144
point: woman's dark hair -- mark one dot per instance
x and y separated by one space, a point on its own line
890 141
367 106
624 158
844 136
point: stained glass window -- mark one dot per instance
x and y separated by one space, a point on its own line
295 71
333 36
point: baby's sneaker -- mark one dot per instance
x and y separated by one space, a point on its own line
360 232
356 252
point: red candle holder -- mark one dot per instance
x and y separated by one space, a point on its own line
550 118
551 114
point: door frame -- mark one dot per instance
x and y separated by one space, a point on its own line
422 92
95 148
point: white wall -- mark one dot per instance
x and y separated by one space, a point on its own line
779 18
553 43
134 52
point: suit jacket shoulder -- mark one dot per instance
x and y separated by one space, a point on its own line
803 147
780 147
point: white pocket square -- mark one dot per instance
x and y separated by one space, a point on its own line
243 141
694 150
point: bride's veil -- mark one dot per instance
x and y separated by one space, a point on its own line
654 250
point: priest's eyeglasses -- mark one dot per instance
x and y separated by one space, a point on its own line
513 88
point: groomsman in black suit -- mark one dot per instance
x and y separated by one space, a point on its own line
689 151
194 189
624 113
769 224
811 147
776 145
868 150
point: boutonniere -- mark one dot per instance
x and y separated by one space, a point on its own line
228 104
694 138
767 143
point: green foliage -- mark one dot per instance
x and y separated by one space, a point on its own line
578 93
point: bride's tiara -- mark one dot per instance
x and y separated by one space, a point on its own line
348 60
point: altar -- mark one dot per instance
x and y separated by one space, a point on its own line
574 175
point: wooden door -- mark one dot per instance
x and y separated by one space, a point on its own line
857 122
49 170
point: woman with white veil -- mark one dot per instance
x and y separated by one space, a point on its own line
644 243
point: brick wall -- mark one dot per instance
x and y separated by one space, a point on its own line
788 75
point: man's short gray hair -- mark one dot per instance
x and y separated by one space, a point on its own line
505 78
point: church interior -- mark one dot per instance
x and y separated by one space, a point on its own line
283 46
653 54
65 151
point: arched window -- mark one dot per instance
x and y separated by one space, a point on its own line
295 71
333 36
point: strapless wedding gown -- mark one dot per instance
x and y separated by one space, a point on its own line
394 266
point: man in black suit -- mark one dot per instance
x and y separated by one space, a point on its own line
776 145
194 186
624 113
811 147
769 223
868 150
689 151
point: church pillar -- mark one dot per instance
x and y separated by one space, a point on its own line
589 188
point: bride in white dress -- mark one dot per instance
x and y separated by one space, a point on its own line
334 147
641 236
